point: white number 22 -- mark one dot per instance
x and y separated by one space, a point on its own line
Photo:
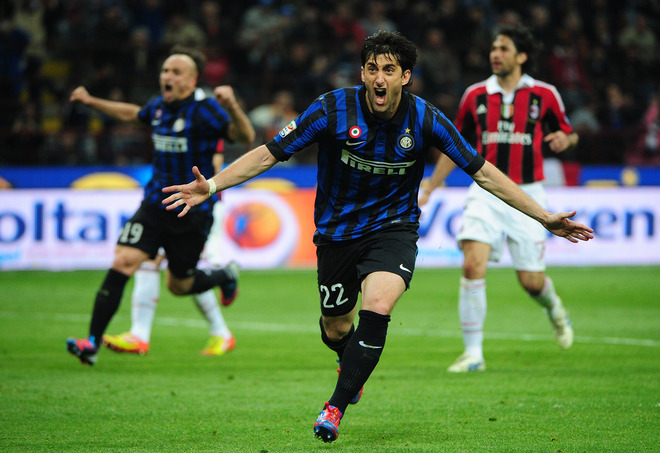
336 288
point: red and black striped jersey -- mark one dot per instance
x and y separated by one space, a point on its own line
509 130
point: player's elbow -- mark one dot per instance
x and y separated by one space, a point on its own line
481 176
267 159
244 135
250 136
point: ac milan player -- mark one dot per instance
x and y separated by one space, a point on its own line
512 115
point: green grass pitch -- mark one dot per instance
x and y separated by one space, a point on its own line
602 395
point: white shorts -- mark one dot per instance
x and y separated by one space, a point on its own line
488 219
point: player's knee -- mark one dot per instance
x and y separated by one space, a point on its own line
532 283
473 269
178 287
127 263
532 290
336 328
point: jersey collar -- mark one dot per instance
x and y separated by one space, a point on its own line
369 117
196 95
493 86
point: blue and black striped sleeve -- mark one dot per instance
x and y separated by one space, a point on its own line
301 132
447 139
213 118
146 113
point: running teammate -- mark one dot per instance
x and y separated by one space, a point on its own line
146 294
186 128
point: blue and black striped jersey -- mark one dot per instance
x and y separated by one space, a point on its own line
185 133
369 170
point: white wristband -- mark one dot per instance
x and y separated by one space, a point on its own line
212 187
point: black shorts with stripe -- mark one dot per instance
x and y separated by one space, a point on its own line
341 266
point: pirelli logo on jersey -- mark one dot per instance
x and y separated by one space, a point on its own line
376 168
167 144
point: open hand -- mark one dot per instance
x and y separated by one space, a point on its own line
561 225
190 194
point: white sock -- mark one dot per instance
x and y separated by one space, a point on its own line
207 302
146 292
213 248
472 312
548 298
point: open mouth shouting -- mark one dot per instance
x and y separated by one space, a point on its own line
380 96
168 90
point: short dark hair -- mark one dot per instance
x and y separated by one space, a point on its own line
524 41
390 43
197 56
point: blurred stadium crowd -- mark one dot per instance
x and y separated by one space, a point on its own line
278 55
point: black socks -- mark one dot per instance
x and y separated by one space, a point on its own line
107 302
109 296
207 279
361 355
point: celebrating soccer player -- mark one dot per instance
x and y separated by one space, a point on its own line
372 143
186 128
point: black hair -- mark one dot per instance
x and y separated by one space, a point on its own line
197 56
524 41
390 43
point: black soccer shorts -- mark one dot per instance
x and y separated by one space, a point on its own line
341 266
182 238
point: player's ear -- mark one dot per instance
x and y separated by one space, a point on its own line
405 78
362 73
521 58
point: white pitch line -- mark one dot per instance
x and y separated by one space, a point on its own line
272 327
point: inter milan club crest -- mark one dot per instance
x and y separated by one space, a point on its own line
507 111
354 132
406 141
178 125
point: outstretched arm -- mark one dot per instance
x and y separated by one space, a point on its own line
122 111
246 167
497 183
